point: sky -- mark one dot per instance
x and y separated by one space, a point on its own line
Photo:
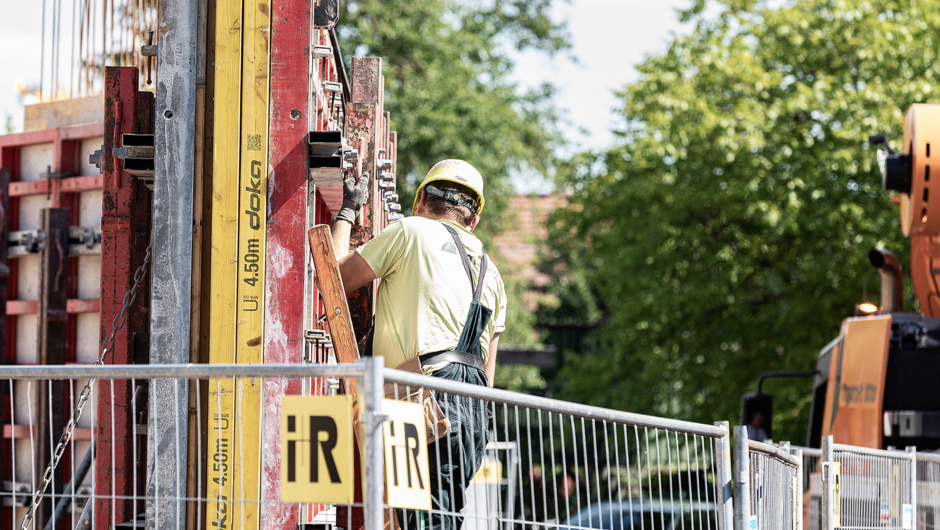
608 39
603 33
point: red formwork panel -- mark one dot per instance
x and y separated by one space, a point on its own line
286 235
63 192
122 204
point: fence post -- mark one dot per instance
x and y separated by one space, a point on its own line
798 491
726 513
913 452
827 493
742 471
374 463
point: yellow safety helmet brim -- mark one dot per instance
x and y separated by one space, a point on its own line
441 171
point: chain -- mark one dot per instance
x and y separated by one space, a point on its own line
119 320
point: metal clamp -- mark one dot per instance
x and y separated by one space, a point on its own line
331 86
97 159
87 236
322 52
32 241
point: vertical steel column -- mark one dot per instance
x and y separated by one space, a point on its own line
113 472
798 491
174 165
286 231
913 452
51 333
742 471
827 494
373 392
723 470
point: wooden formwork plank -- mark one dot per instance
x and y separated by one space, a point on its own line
113 472
287 187
252 189
223 258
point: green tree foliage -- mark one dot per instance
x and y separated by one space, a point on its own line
446 65
726 233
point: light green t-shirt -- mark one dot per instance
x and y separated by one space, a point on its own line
424 294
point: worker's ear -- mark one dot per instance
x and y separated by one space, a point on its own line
473 224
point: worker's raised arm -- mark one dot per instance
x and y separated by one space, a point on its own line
355 196
355 272
490 367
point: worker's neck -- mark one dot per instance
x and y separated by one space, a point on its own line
428 215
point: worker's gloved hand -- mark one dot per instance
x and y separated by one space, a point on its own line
355 195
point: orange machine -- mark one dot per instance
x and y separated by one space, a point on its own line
877 383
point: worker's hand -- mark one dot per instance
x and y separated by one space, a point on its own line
355 196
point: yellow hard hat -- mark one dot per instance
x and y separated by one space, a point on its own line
457 171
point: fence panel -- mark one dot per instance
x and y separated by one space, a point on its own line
70 500
928 491
767 485
812 488
527 462
876 488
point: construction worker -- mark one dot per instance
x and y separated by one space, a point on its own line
440 300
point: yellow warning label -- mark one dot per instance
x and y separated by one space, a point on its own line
316 449
836 494
490 472
406 456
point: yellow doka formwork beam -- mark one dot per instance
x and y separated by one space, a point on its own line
252 216
223 291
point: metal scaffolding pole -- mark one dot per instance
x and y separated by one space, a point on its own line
174 167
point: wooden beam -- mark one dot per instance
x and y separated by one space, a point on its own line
66 112
223 261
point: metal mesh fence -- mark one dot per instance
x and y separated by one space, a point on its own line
775 486
928 491
875 488
502 460
129 463
511 461
812 488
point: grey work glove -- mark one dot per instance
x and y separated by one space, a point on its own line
355 196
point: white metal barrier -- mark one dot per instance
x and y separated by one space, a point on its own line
767 485
928 491
553 464
528 462
515 461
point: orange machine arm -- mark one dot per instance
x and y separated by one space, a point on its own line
909 174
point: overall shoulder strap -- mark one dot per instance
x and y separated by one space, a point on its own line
476 287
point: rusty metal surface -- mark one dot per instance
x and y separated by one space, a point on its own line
66 145
114 472
51 333
363 122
